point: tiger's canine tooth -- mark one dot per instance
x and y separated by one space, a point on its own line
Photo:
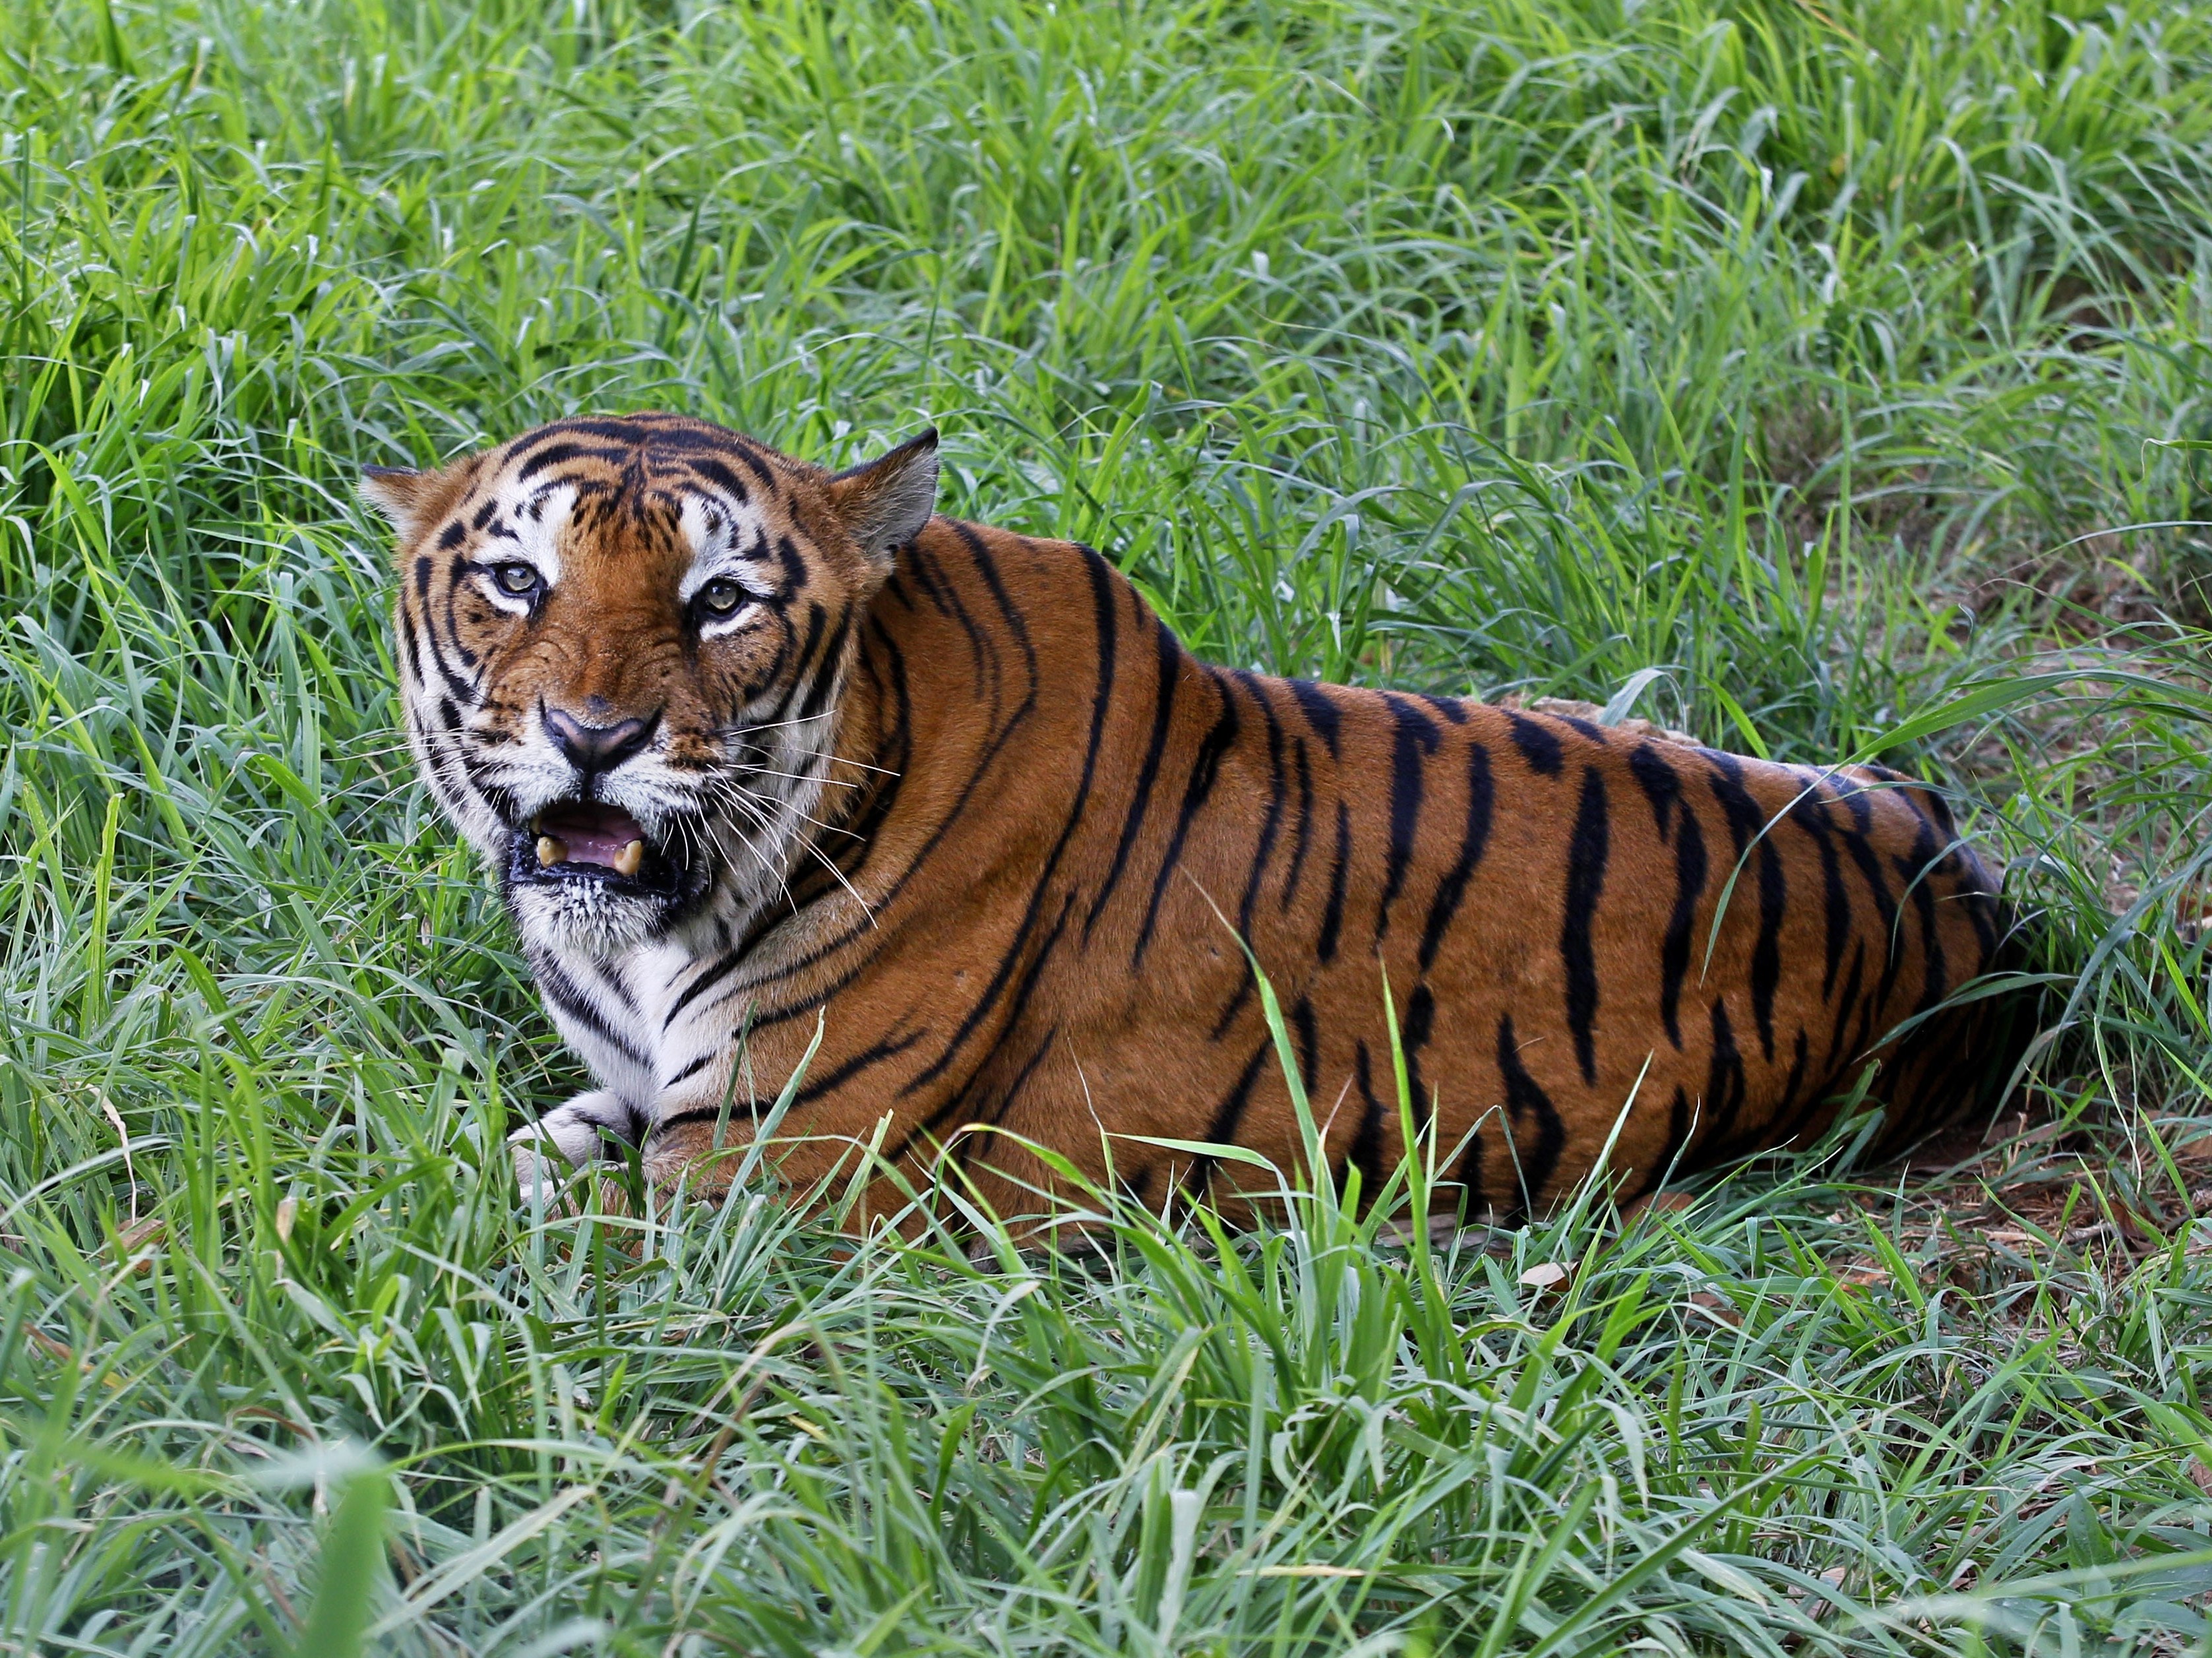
628 860
550 851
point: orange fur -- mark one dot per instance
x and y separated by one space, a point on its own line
1042 827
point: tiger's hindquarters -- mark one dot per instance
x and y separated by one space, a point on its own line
1960 1064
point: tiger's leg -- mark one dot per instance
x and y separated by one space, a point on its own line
572 1132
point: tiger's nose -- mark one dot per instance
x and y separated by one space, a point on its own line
592 749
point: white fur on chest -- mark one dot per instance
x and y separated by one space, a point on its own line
627 1017
616 1013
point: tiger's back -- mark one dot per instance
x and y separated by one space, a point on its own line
1543 898
1008 899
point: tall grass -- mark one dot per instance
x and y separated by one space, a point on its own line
1803 369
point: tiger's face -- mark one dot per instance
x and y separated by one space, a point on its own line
622 645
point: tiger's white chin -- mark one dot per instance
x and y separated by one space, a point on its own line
580 919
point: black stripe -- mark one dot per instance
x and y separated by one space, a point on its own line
1843 1008
469 657
1769 1131
1227 1116
826 670
768 674
1366 1152
1420 1025
1307 1031
1928 805
591 426
1014 1088
794 566
1983 910
558 454
1320 709
1857 842
614 981
1414 735
1525 1099
1661 786
717 473
983 658
1474 1194
894 749
1919 869
1453 709
1586 852
560 990
996 1113
1674 949
916 571
1017 1003
751 462
1678 1133
1810 814
817 619
1793 1123
1474 838
1205 769
457 685
1539 746
1270 825
987 567
1724 1082
706 980
1168 661
1745 820
690 1071
1305 821
1332 917
867 1059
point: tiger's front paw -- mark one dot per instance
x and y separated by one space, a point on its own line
575 1132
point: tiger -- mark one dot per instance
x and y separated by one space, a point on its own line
798 791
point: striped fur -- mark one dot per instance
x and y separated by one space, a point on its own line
961 797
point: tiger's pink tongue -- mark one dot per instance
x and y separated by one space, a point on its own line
592 834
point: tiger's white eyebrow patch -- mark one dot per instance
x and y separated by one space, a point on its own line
730 624
526 529
725 541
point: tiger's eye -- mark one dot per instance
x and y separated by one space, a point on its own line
516 578
721 596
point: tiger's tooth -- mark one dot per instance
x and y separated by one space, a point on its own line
551 851
629 858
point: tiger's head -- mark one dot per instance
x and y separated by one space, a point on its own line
622 646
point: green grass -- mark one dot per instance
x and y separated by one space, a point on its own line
1844 362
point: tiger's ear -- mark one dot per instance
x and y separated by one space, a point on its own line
405 497
885 502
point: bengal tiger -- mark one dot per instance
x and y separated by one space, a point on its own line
765 758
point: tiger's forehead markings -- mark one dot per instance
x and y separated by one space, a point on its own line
707 450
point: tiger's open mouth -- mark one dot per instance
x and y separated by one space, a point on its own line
592 841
